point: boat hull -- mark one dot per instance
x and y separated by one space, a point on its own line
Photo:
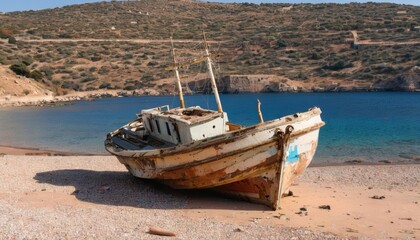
255 163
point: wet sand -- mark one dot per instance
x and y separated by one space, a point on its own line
95 197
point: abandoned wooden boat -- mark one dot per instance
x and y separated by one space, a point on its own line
195 148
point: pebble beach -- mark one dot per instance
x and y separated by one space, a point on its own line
60 197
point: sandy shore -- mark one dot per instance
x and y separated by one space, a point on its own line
94 197
9 150
51 100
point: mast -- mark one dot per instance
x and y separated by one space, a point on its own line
213 81
178 81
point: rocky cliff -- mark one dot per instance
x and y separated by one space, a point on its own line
409 82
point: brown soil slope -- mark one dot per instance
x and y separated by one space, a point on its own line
13 85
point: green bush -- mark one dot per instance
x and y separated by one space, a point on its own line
128 56
12 40
281 43
47 71
20 69
89 89
70 85
27 60
104 85
47 36
56 82
129 87
152 63
104 70
340 64
36 74
147 77
88 79
315 56
95 58
64 35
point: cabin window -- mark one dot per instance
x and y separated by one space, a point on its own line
167 129
157 125
150 124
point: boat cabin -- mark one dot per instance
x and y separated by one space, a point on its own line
183 125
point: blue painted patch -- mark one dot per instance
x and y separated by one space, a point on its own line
292 154
272 151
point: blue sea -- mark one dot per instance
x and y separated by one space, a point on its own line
359 126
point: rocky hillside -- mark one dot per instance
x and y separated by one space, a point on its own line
266 47
13 85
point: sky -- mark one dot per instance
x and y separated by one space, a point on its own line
22 5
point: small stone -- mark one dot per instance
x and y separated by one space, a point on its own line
378 197
238 230
327 207
384 161
282 217
303 209
355 161
351 230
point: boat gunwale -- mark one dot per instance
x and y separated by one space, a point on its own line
229 136
228 154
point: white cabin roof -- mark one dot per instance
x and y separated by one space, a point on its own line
190 116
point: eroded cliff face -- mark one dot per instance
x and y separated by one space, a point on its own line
260 83
250 83
409 81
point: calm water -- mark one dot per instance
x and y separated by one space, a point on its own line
365 126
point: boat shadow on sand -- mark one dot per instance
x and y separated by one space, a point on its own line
122 189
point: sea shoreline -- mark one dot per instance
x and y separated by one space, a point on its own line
34 151
7 101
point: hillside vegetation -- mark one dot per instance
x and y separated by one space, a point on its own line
278 47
